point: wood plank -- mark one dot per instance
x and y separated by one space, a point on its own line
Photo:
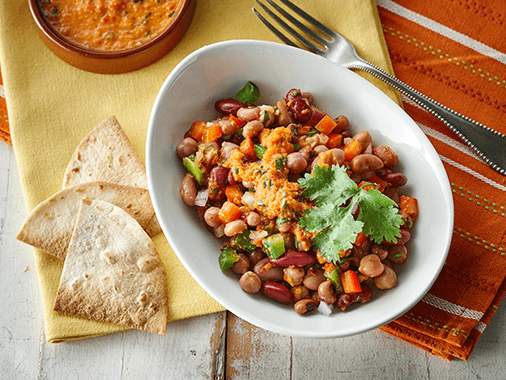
253 353
20 319
186 352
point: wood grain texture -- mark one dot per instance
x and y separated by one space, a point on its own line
218 346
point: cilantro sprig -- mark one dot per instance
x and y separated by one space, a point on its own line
336 197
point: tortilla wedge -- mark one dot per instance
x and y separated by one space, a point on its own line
112 272
106 154
49 226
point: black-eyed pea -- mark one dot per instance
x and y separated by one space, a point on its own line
211 217
293 275
305 306
284 117
253 219
398 254
327 292
371 266
250 282
296 162
319 149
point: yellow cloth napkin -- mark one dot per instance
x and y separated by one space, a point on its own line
52 105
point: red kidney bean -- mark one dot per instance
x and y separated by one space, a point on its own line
396 179
300 110
314 277
387 155
393 194
344 301
292 94
316 116
296 258
219 174
277 291
228 106
405 237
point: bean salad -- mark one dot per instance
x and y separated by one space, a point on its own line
310 213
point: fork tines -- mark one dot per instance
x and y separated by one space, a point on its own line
315 39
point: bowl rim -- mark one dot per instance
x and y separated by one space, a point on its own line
251 318
56 38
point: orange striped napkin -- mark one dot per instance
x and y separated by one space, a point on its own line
459 61
4 124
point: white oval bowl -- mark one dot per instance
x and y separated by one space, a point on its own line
217 71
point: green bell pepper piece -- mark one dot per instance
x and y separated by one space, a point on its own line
259 150
243 242
227 259
193 169
274 246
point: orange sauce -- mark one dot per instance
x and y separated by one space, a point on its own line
109 25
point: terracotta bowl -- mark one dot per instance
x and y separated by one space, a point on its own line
115 62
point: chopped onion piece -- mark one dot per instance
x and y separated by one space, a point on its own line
325 309
202 197
249 199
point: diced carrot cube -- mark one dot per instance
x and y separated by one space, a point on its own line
234 194
248 148
197 130
335 140
360 240
326 125
350 282
353 149
212 133
240 123
229 212
408 206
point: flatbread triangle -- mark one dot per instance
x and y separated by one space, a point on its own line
112 272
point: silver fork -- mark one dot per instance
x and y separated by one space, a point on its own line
488 144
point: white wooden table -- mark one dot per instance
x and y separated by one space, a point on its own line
215 346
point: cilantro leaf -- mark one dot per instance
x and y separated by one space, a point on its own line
340 236
328 185
336 197
380 216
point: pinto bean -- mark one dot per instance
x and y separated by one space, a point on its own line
327 292
253 219
219 231
267 271
305 306
371 266
313 279
227 148
256 256
380 252
364 138
211 217
300 109
342 123
387 280
296 162
277 291
252 128
235 227
338 155
365 162
319 149
241 266
219 175
188 190
284 117
228 106
387 155
250 282
187 147
248 113
228 127
396 179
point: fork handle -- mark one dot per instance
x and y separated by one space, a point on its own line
490 145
